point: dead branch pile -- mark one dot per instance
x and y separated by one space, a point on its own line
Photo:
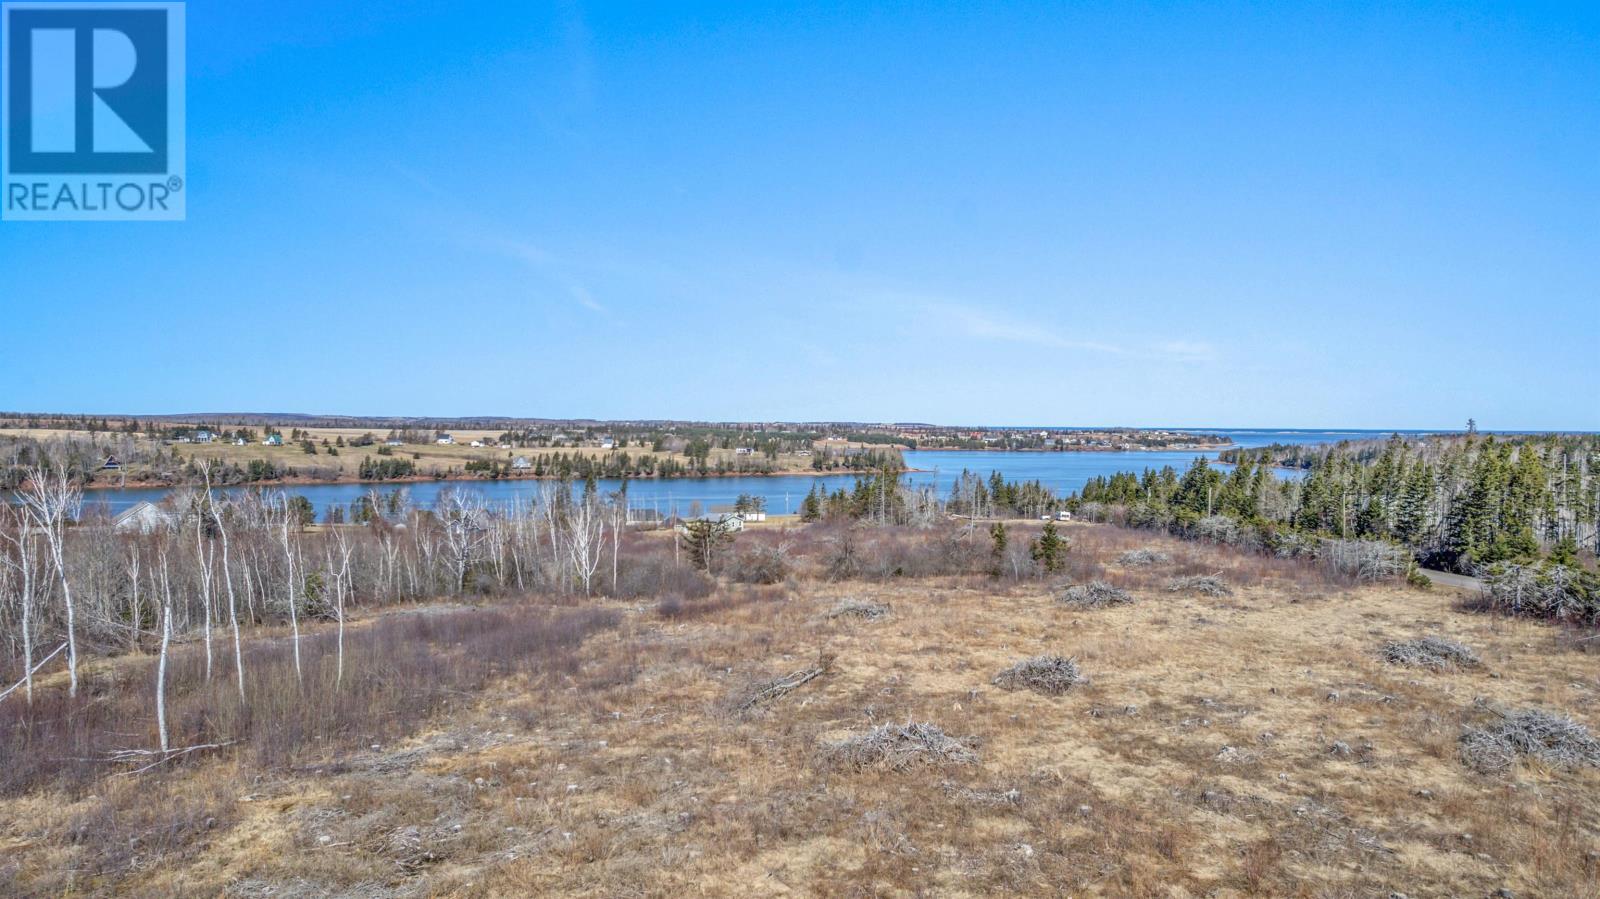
1093 595
1047 674
414 848
1140 557
1204 584
1550 737
855 608
771 690
1430 652
974 796
900 747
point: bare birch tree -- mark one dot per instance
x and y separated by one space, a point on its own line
585 535
52 497
166 643
289 560
233 606
25 566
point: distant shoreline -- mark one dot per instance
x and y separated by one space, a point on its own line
301 481
1199 447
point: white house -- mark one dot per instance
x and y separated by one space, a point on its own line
144 518
445 440
273 440
729 521
1063 515
521 463
394 441
204 436
477 444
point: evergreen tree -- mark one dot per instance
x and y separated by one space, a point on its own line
1414 515
1049 550
811 506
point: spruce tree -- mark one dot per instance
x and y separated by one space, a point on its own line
1414 515
1049 550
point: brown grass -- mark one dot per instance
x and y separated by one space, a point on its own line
429 457
618 772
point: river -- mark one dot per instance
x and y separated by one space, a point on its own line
1064 472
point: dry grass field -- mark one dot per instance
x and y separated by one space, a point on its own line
429 458
1252 744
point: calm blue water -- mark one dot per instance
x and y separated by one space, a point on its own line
1064 472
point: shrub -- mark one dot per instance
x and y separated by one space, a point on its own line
760 565
1218 529
1095 512
1292 545
1549 591
842 559
676 607
659 576
1366 560
399 670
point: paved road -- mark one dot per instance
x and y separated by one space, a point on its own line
1447 579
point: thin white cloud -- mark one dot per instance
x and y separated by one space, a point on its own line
989 324
1187 350
986 326
584 298
541 261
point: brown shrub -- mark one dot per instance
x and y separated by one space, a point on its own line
657 575
399 670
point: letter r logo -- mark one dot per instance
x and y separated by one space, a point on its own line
87 90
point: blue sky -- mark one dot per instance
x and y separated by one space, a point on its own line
1329 215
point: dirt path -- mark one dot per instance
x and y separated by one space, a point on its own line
1459 581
